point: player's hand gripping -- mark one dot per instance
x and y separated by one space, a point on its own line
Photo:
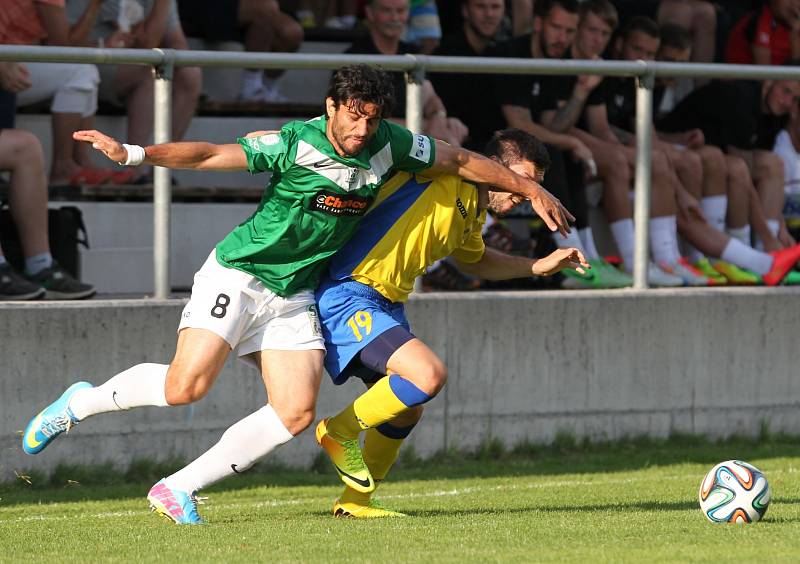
560 259
109 146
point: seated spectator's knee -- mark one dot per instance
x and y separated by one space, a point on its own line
767 165
713 159
22 145
679 13
690 163
292 35
704 17
189 80
660 163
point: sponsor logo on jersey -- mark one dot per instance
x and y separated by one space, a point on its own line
420 148
461 208
340 204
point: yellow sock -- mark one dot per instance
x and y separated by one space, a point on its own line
380 454
384 401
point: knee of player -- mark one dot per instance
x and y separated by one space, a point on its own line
182 388
298 419
433 377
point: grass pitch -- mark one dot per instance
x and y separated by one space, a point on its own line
635 502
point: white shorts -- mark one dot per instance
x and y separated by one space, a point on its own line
237 307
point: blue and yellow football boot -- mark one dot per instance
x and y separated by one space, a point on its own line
55 419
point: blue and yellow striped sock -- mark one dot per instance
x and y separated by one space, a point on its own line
384 401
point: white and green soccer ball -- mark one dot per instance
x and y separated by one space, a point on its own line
734 492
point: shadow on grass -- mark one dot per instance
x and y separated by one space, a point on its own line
492 460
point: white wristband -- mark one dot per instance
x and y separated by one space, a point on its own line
135 155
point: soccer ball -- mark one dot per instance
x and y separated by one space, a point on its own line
734 492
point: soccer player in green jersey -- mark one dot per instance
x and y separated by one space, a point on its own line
254 294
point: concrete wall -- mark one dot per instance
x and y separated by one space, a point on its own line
522 366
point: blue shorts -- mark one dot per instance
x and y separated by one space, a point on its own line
361 329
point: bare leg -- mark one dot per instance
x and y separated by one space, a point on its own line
768 178
64 166
21 153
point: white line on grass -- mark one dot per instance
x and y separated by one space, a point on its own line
288 502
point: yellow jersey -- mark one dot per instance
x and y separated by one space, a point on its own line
415 221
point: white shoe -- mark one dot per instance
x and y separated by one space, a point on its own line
681 271
264 94
658 277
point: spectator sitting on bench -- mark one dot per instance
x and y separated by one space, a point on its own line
260 24
144 24
21 154
386 21
72 87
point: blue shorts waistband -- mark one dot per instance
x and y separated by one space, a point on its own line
360 289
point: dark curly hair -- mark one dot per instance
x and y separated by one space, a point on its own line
512 145
356 85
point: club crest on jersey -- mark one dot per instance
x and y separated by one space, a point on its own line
339 204
352 177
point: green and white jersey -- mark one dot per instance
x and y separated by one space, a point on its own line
314 200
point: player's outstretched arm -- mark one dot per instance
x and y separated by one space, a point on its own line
194 155
477 168
496 265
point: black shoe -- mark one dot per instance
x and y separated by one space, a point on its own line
13 286
60 285
447 277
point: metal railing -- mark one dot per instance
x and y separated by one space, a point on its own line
163 62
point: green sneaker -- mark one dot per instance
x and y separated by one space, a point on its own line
792 279
707 269
601 276
737 276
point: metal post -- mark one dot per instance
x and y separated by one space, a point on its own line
414 119
162 184
644 143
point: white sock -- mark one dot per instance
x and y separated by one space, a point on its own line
252 81
587 238
715 208
664 239
622 231
572 240
774 226
139 386
741 233
35 264
241 446
2 259
743 256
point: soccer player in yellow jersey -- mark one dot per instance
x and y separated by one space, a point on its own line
415 221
